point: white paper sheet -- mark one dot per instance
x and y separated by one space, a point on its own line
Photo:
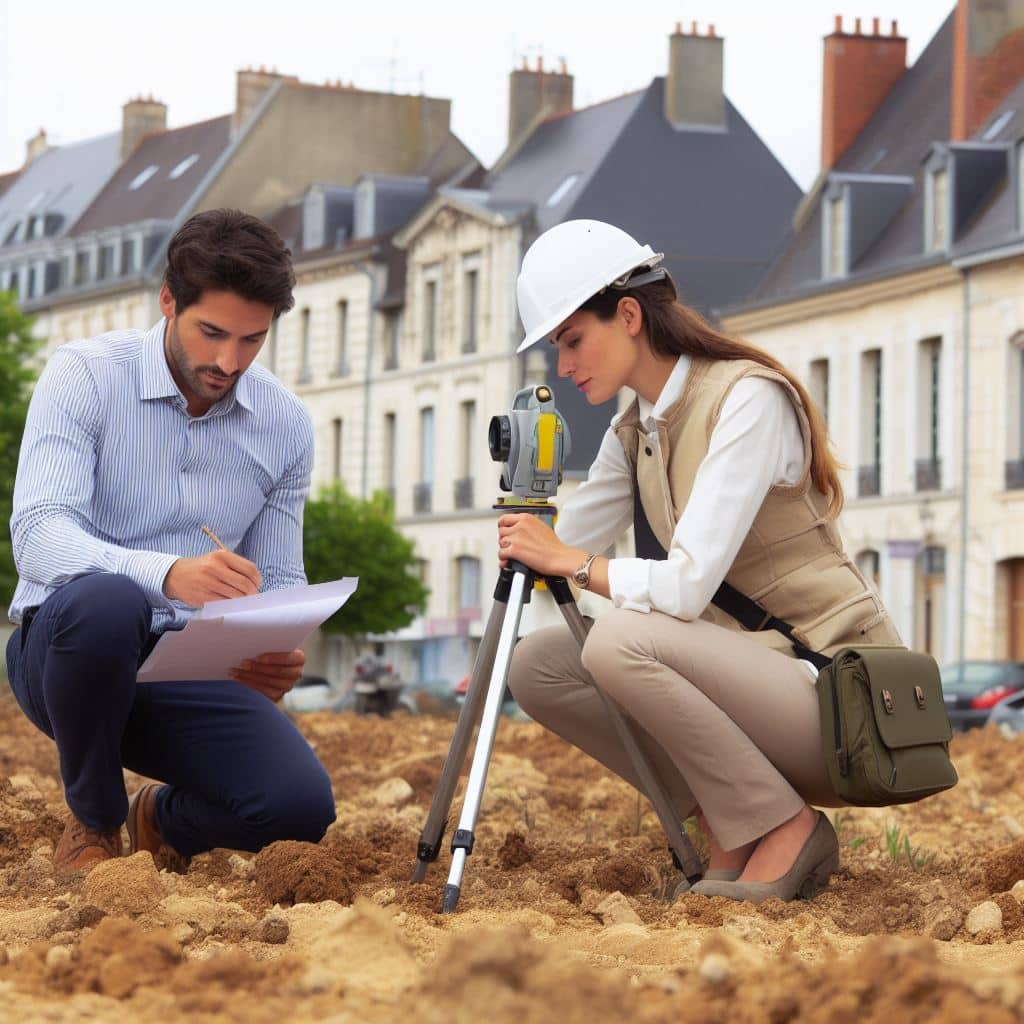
222 634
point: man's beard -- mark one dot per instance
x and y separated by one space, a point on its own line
191 373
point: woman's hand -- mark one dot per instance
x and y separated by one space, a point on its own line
525 538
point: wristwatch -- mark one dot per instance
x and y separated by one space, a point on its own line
581 577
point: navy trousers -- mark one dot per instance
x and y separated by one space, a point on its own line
238 772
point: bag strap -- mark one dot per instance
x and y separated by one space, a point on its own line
747 612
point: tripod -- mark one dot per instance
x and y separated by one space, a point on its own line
487 689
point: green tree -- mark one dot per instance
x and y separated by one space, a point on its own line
17 372
345 536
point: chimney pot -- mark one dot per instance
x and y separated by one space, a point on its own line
839 23
693 86
693 28
874 26
533 92
850 96
679 28
895 27
141 116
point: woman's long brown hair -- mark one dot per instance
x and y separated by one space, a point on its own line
675 329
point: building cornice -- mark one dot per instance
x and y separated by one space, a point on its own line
839 299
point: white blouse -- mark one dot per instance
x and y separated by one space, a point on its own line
755 445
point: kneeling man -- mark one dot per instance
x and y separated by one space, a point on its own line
134 441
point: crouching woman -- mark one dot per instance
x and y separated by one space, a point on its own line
721 456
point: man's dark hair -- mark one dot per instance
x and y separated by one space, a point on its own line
229 251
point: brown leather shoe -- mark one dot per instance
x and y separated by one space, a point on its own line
81 848
143 833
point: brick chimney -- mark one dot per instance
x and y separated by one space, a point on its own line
140 117
531 91
693 87
859 71
988 60
35 146
251 85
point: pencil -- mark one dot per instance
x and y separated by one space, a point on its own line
216 540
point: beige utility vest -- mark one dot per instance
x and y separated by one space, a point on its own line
792 561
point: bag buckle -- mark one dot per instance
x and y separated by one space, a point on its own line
919 697
887 700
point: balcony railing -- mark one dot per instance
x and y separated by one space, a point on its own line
869 480
422 498
928 474
464 492
1014 474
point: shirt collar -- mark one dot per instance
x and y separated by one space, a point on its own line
670 394
156 380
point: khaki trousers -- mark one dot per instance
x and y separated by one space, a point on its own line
730 725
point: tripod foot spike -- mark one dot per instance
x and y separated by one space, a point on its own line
451 898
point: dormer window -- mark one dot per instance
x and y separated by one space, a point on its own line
937 210
835 241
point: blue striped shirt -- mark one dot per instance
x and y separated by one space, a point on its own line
114 475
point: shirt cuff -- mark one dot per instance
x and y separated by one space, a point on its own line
629 583
149 569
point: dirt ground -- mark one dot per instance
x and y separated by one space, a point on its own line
562 916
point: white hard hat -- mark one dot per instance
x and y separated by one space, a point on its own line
571 262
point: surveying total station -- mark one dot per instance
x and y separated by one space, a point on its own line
531 443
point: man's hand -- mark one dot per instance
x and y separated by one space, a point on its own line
272 674
213 576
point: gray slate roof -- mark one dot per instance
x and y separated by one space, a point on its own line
912 122
160 196
60 182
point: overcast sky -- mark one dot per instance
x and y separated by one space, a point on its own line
68 66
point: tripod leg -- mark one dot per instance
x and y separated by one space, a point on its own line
433 831
679 841
462 841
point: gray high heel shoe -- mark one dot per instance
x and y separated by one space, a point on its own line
815 864
711 875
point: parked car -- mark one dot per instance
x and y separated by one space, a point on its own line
1009 712
973 688
310 693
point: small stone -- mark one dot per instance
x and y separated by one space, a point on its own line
241 866
382 897
615 909
1012 825
1017 892
715 969
393 793
273 929
985 917
945 924
57 957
